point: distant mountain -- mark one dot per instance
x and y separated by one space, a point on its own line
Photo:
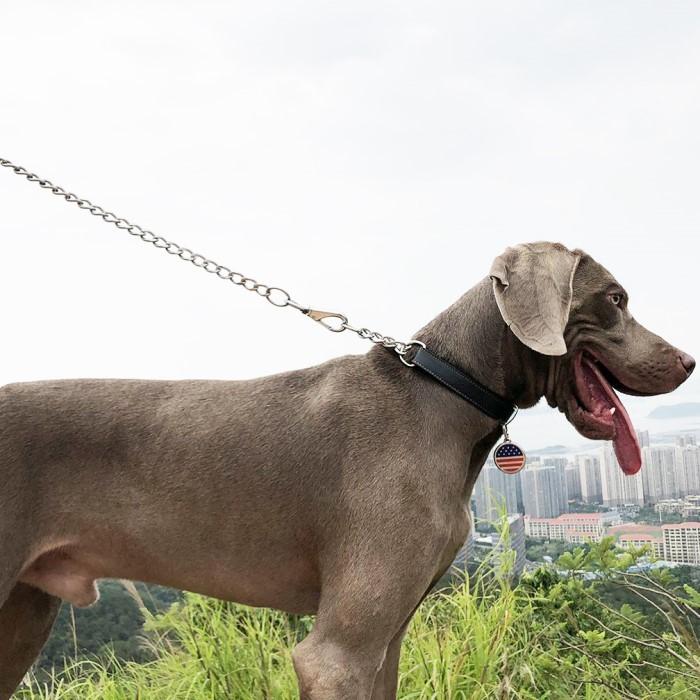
678 410
551 450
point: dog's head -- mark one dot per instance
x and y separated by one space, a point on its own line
563 304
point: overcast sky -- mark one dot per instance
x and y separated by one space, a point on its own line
370 157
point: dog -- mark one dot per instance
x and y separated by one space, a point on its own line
340 490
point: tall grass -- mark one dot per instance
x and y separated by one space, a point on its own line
459 646
481 638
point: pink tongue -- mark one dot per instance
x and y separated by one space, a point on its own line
627 449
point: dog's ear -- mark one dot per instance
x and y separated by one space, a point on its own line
533 288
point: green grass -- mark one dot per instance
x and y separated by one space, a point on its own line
548 638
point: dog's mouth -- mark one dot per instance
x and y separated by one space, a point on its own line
596 411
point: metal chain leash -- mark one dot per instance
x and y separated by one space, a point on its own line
335 322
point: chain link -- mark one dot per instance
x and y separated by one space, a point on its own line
378 339
274 295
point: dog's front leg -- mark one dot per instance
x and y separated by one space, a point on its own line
364 610
352 645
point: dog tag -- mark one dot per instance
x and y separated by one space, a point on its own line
509 458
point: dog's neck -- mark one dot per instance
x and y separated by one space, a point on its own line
471 335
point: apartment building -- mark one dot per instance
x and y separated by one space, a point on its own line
619 488
544 490
589 478
573 482
489 546
682 542
688 507
679 543
631 535
494 492
655 544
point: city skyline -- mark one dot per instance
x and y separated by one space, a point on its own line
538 500
548 483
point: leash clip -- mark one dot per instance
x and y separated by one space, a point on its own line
322 316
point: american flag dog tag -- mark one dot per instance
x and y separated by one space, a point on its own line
509 458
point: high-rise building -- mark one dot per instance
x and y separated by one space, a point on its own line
544 491
618 488
690 457
560 463
663 473
519 493
516 542
589 475
494 491
555 462
573 482
679 472
481 546
643 437
562 490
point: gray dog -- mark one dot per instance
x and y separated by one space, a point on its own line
340 490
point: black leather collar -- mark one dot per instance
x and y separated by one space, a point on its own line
463 385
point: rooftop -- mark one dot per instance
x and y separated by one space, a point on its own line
572 517
677 526
639 537
634 529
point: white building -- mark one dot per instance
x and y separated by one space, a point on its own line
690 457
691 508
617 487
481 546
675 543
589 476
663 474
639 540
573 482
544 491
493 492
572 527
669 505
682 542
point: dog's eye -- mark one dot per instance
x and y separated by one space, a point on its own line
615 298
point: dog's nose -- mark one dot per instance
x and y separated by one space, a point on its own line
688 362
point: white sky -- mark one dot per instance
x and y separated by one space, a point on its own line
369 157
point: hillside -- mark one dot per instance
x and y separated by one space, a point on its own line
554 635
678 410
112 627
